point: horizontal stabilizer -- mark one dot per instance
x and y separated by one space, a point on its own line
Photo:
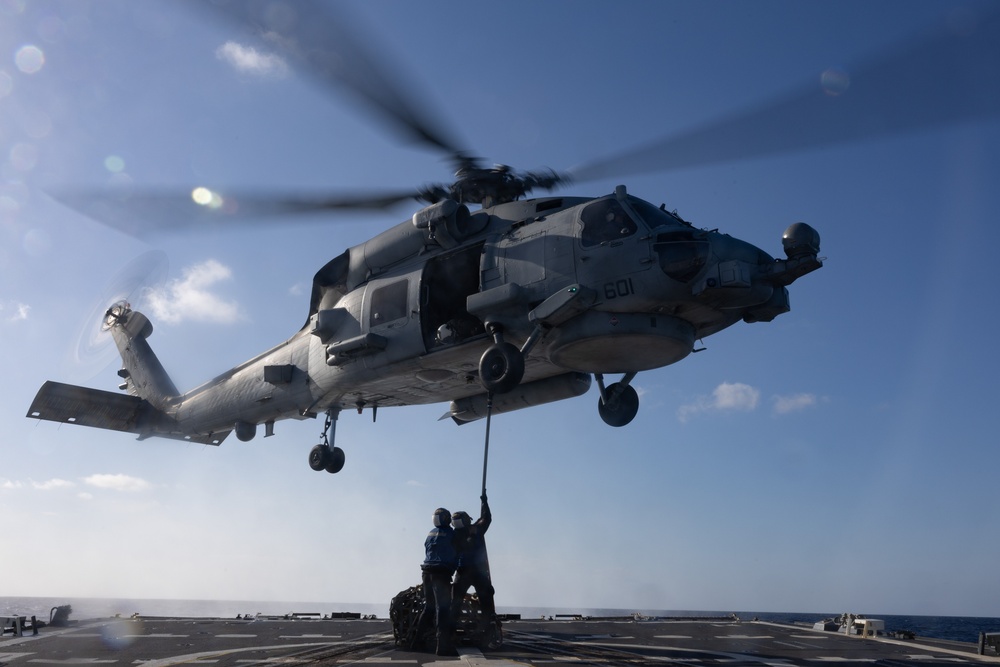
69 404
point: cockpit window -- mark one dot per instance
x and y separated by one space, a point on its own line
653 216
605 220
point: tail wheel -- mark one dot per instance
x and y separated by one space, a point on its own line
501 368
621 407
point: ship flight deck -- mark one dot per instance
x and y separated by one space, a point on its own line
242 642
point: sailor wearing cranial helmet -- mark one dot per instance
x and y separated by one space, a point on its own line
440 560
473 561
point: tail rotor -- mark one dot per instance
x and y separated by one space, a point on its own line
131 285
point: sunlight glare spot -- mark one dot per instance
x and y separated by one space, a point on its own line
29 59
36 242
8 205
835 81
12 7
23 157
114 164
207 198
120 179
16 192
37 125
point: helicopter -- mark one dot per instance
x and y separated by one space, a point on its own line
487 297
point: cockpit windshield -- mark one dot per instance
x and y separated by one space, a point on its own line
654 216
605 221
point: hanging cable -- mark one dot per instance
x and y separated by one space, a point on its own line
486 448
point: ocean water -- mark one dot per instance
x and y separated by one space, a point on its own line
954 628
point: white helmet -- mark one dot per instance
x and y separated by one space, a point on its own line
442 517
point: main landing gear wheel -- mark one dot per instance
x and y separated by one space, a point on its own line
621 407
501 368
325 457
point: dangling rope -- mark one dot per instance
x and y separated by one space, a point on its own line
486 458
486 449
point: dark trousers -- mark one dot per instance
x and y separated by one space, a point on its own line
480 580
437 604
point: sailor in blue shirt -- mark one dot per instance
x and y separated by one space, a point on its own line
439 564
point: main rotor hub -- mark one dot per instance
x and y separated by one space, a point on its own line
489 186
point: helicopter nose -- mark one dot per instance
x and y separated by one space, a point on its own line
801 244
800 240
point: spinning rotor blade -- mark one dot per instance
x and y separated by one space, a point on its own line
324 44
134 283
928 82
321 44
140 212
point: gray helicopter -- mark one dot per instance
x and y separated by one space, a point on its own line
486 298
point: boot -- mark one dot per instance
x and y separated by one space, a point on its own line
444 647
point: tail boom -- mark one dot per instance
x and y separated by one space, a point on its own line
144 375
150 406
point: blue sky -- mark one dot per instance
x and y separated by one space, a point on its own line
840 458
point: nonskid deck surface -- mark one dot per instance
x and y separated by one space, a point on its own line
163 642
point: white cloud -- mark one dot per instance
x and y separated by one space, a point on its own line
727 397
249 60
785 404
51 484
190 299
18 312
117 482
83 495
736 396
10 484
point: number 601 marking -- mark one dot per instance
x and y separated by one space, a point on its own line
619 288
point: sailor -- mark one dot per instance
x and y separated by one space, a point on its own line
439 565
473 562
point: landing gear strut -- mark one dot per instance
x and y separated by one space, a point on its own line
501 367
324 456
619 403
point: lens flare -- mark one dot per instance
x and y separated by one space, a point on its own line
207 198
12 7
29 59
114 164
119 633
23 157
835 81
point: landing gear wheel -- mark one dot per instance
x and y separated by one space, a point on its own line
335 460
622 405
325 457
501 368
319 456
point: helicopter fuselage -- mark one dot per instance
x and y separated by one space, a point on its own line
608 285
512 305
